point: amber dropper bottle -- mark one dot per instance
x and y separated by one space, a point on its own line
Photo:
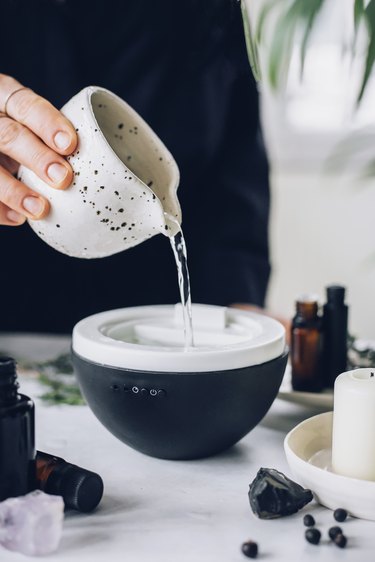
80 489
306 346
17 445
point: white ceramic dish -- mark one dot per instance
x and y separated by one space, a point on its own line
309 399
308 452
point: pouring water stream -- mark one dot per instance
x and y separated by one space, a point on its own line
180 254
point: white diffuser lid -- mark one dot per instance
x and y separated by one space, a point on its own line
151 338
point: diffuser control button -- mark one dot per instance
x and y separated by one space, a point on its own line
161 393
144 391
135 389
153 392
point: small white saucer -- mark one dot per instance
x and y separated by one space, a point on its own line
308 452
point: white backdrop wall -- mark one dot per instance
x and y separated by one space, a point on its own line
322 227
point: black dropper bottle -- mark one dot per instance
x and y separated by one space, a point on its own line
17 445
335 329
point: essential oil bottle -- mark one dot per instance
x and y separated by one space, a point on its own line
335 328
80 489
306 346
17 444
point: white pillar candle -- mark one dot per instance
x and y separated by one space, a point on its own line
353 432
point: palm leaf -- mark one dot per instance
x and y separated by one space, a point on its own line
262 19
299 14
252 50
308 16
359 10
369 15
281 49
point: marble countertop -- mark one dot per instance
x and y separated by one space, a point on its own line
168 511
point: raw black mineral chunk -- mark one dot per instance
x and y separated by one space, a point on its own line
272 494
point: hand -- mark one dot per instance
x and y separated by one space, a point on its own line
36 134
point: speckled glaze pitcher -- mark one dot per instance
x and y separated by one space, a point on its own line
124 187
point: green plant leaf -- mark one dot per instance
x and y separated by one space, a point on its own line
369 15
359 10
262 19
60 392
301 14
308 16
252 49
282 43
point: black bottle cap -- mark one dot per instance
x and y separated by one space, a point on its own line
336 294
81 489
7 366
8 380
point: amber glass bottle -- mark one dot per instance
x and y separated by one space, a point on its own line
80 489
17 448
306 346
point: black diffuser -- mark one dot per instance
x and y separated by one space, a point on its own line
178 414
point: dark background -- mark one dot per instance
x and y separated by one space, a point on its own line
184 68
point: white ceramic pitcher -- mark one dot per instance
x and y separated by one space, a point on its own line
124 187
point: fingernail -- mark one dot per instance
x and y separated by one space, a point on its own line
33 205
62 140
15 217
57 172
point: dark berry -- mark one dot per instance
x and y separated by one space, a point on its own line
309 521
340 514
250 549
333 531
312 536
340 541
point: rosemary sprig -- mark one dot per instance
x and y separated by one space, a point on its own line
58 376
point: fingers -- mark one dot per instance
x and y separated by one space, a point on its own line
23 146
9 164
18 202
38 115
8 217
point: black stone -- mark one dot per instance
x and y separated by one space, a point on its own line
340 541
333 531
313 536
309 521
272 494
250 549
340 514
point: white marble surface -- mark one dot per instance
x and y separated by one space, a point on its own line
168 511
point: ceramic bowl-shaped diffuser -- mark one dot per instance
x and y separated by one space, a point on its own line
176 404
124 186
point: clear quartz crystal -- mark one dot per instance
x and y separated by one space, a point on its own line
31 524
